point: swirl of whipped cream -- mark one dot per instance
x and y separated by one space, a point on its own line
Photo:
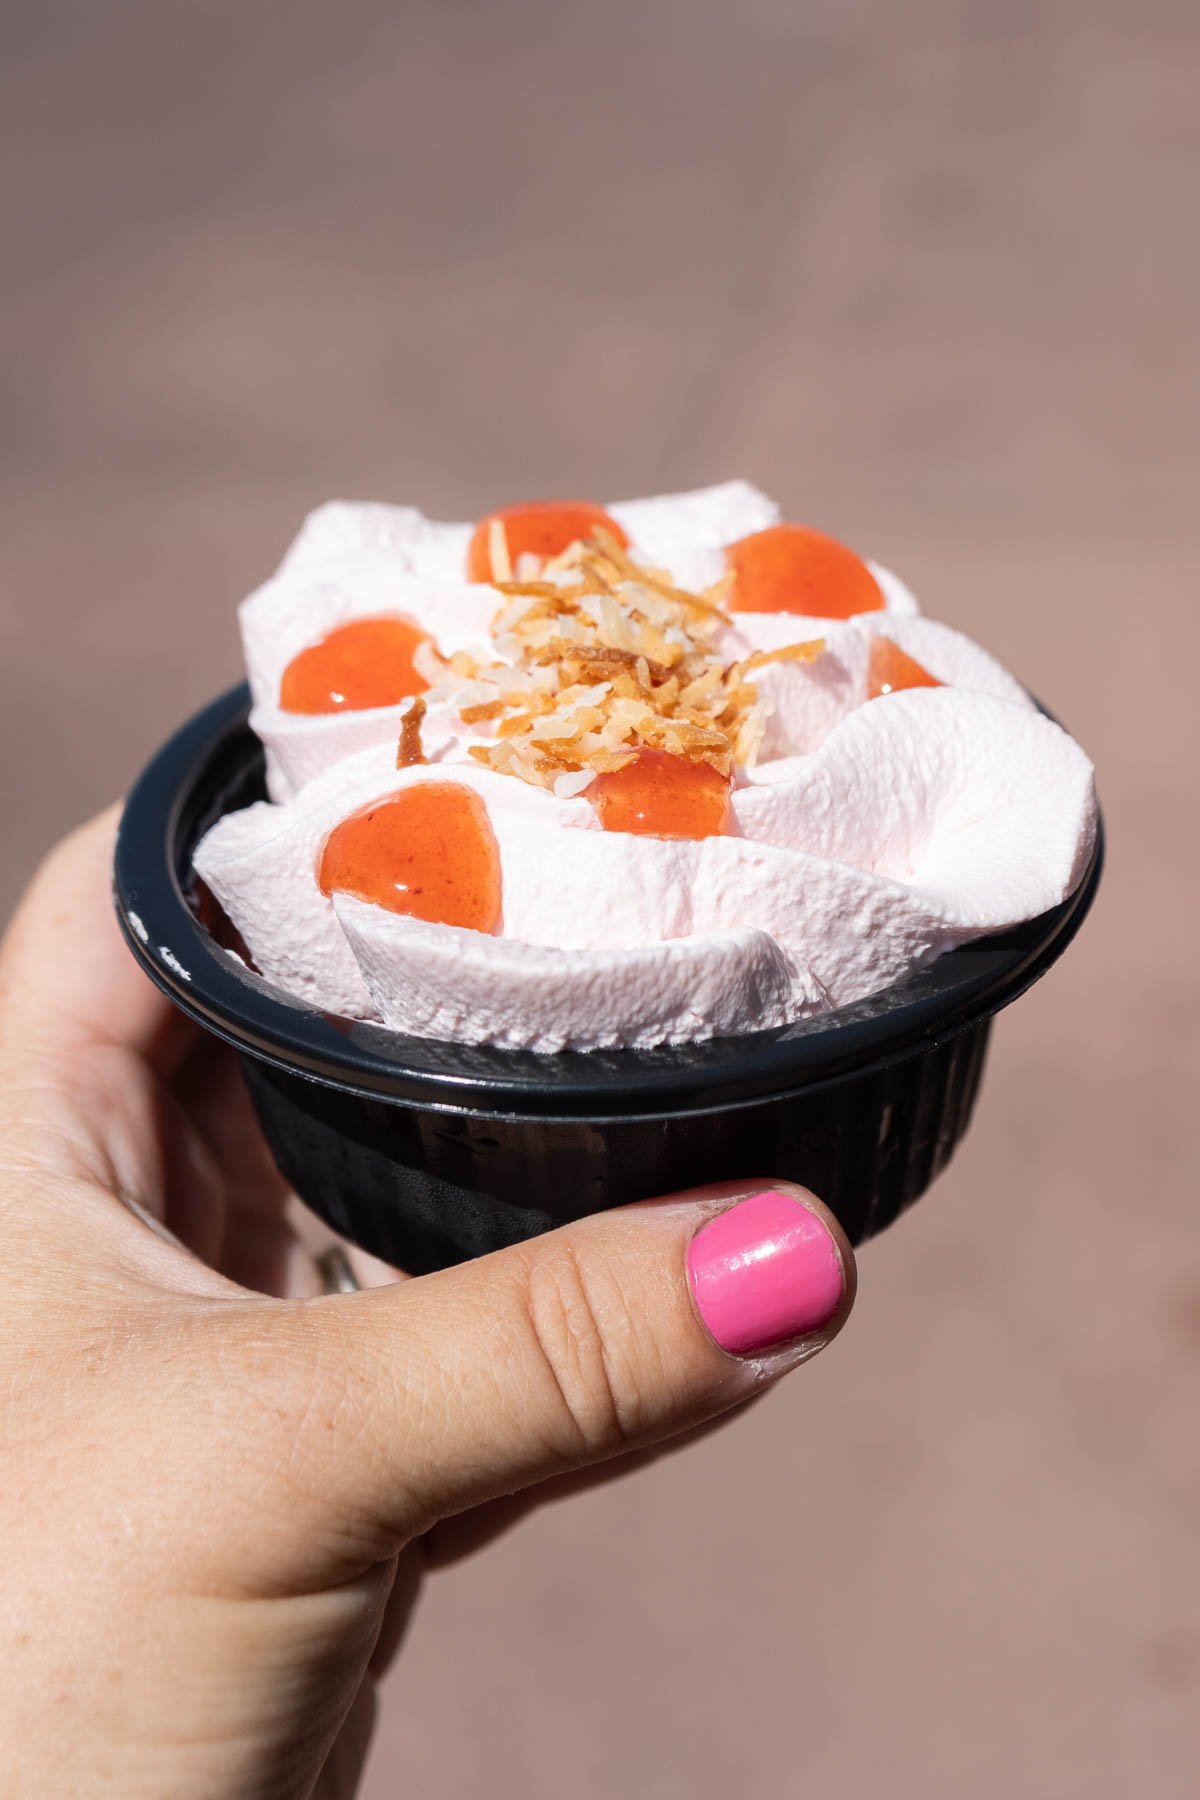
865 840
359 561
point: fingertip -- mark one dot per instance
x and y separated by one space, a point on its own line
85 846
69 979
707 1202
844 1248
772 1270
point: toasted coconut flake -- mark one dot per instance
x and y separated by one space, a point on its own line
607 762
572 782
510 615
696 692
430 665
498 557
656 647
410 749
802 653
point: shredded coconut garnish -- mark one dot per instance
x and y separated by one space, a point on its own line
805 653
410 749
498 551
599 658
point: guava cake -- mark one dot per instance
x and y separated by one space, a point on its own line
583 776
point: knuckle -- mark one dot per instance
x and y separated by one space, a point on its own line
581 1329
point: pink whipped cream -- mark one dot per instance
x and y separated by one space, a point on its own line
866 835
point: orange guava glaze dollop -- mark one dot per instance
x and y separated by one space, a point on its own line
889 669
660 795
428 851
368 662
541 528
792 568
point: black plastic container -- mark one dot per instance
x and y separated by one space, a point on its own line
426 1153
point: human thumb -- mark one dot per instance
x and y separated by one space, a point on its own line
612 1334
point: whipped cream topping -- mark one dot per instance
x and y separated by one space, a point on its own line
867 838
356 561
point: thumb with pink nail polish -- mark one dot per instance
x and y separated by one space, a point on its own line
767 1273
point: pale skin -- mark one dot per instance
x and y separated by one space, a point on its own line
222 1489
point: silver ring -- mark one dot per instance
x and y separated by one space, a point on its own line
337 1277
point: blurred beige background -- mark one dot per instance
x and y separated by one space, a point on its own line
930 274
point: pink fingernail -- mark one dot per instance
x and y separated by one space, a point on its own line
763 1273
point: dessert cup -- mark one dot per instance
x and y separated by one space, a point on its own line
427 1153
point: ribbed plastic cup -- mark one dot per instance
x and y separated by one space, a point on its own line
427 1153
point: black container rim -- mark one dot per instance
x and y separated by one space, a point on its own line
150 881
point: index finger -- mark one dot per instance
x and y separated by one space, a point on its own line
67 979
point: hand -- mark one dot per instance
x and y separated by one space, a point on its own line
219 1489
